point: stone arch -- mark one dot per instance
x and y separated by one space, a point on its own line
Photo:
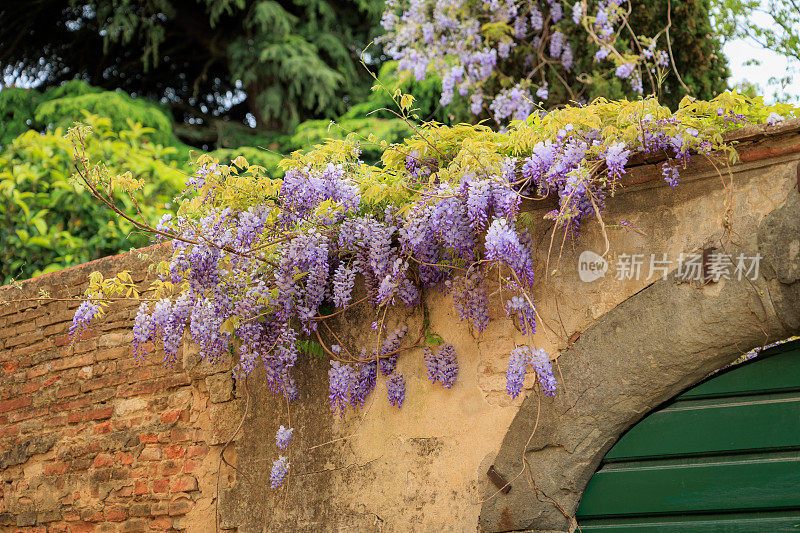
652 346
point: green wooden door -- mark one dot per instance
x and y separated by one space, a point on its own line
721 457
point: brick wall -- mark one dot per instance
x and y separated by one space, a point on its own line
92 440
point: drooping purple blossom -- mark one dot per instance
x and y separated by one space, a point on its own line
86 312
396 389
503 244
341 382
283 436
364 382
280 469
522 357
391 344
442 365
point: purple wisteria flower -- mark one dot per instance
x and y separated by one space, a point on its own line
442 365
341 380
280 469
522 357
396 389
283 437
86 312
625 70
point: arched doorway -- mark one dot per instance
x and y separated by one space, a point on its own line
722 456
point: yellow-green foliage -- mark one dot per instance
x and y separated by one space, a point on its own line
46 223
465 148
256 156
313 132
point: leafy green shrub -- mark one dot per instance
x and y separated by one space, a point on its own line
116 106
18 107
16 112
46 225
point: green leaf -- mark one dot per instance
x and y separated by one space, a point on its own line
40 225
39 241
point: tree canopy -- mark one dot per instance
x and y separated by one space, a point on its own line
221 63
281 61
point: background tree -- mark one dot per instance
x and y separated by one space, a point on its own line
280 61
508 57
772 24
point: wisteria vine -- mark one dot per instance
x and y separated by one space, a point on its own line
503 55
262 263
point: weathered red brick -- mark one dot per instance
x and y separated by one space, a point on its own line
170 468
66 390
29 386
182 434
161 485
27 413
123 493
189 467
70 405
73 361
55 420
94 414
78 465
52 379
102 429
106 354
65 339
183 484
196 451
174 452
180 506
101 475
134 526
142 373
140 487
148 438
15 403
124 458
111 380
171 417
81 528
9 431
56 468
89 515
150 453
177 380
160 524
116 514
23 339
103 459
38 371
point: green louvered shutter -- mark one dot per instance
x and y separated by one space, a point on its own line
721 457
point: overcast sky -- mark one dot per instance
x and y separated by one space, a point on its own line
772 65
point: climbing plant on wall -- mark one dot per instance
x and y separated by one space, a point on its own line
264 262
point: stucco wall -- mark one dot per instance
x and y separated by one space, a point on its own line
92 441
424 466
